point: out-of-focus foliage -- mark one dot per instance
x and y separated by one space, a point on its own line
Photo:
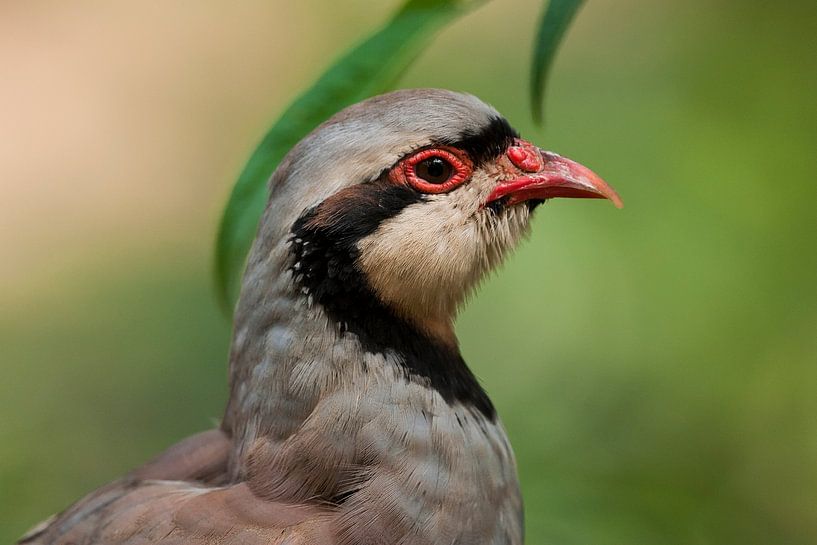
655 366
555 21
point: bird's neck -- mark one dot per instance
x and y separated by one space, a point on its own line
381 421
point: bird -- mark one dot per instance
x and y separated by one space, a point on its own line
352 417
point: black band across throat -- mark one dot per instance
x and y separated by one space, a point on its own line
324 247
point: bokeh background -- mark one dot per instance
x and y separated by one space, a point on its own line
656 367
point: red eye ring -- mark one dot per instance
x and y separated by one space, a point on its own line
405 170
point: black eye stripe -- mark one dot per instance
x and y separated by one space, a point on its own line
486 143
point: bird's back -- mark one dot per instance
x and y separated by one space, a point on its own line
180 498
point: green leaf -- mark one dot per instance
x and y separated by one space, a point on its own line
368 69
554 23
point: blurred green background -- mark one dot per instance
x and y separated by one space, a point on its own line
655 366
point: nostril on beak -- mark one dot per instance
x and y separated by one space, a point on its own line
525 157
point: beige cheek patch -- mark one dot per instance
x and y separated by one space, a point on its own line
422 260
428 258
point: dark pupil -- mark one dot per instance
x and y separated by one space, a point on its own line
434 170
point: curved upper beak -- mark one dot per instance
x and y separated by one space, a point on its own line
556 176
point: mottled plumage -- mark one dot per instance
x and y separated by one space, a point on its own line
352 418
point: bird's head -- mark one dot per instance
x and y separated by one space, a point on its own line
405 201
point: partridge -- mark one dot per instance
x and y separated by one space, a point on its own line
352 417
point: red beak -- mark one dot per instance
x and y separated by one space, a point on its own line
554 176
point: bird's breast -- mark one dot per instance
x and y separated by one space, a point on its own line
395 454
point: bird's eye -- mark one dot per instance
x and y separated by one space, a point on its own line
433 170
